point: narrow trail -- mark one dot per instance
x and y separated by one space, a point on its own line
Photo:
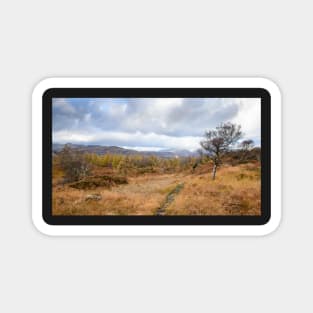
169 199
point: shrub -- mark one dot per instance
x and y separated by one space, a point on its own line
74 164
93 182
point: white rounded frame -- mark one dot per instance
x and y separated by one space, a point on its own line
156 230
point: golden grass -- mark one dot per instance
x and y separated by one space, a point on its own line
74 202
142 196
236 191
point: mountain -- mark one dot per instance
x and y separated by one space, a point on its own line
96 149
100 150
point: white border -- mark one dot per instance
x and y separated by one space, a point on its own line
102 230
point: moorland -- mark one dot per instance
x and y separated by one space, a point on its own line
95 180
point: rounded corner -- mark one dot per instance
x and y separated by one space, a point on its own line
271 226
270 86
44 85
41 225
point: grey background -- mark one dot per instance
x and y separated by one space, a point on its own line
163 38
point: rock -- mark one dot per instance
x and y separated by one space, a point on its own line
95 196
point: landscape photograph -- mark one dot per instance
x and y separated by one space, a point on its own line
156 156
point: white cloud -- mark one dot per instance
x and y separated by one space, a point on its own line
138 139
249 117
146 123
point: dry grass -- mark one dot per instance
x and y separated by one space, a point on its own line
236 191
141 196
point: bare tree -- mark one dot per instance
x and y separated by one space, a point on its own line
220 140
246 146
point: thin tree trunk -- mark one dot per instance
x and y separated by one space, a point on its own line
214 171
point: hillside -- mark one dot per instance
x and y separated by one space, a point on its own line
102 150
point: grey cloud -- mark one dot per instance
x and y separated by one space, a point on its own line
162 117
195 116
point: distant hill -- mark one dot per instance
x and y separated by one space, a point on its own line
101 150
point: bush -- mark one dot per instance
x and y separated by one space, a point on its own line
93 182
73 164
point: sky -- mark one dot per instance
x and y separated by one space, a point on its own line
150 124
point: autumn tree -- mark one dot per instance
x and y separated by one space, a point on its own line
74 164
219 141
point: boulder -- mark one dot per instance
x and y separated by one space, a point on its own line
95 197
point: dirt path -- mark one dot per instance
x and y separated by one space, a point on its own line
154 193
169 199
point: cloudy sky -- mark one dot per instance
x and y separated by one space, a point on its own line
150 124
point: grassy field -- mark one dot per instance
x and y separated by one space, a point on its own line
235 191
